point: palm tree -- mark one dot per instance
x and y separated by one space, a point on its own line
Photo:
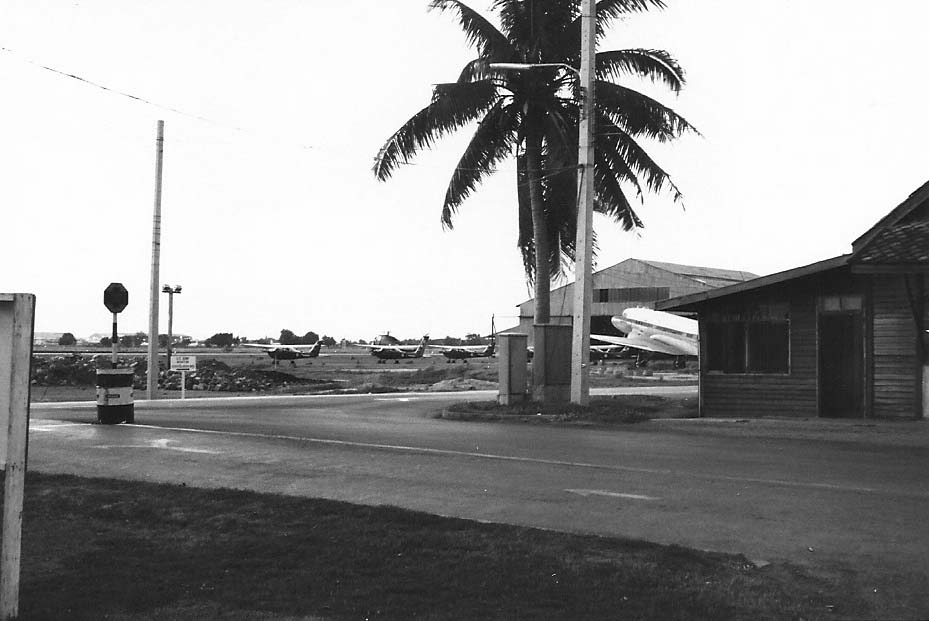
533 115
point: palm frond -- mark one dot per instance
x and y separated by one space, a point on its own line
643 167
452 106
611 201
492 142
610 10
607 12
489 41
534 26
476 70
656 65
638 114
611 171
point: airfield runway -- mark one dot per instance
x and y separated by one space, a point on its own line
821 502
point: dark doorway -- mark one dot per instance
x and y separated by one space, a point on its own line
841 365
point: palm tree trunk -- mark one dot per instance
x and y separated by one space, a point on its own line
539 228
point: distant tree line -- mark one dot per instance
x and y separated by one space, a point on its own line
469 339
130 340
287 337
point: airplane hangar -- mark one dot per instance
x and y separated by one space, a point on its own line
630 283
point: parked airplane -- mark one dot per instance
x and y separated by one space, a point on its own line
597 352
397 352
655 331
607 352
466 352
279 352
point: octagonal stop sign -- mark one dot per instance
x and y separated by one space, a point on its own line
115 297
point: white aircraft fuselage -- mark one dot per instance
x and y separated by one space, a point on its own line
655 331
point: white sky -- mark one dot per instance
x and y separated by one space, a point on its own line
811 114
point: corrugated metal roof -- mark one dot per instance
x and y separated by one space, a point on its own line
709 276
704 273
684 302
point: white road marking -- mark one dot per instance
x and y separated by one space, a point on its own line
35 426
603 492
537 460
161 443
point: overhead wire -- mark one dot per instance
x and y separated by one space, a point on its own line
548 172
138 98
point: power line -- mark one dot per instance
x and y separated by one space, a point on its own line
138 98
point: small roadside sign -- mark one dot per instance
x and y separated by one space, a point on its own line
183 363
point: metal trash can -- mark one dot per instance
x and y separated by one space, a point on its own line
114 396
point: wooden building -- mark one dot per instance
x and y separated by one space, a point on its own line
845 337
633 282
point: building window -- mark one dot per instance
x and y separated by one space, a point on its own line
726 347
768 347
754 341
841 303
632 294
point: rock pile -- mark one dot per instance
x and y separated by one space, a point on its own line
69 370
77 370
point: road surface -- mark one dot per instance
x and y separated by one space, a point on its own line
830 504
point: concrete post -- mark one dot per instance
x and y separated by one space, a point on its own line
512 368
552 378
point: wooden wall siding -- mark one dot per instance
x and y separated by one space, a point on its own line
758 395
896 386
795 394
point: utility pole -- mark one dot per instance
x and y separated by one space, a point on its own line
583 293
156 259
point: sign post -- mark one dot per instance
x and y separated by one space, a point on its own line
115 401
183 364
116 299
17 313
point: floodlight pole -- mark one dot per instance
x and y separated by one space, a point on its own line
170 291
583 292
156 259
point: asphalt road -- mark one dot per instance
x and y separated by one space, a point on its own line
830 504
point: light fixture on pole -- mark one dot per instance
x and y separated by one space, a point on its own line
527 66
170 291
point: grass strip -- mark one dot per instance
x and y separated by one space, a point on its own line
101 548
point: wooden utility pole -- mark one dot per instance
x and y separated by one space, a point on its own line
580 337
17 314
152 385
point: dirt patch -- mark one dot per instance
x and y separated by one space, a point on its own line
912 433
618 409
462 384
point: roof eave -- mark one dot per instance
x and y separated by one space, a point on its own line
915 199
688 302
